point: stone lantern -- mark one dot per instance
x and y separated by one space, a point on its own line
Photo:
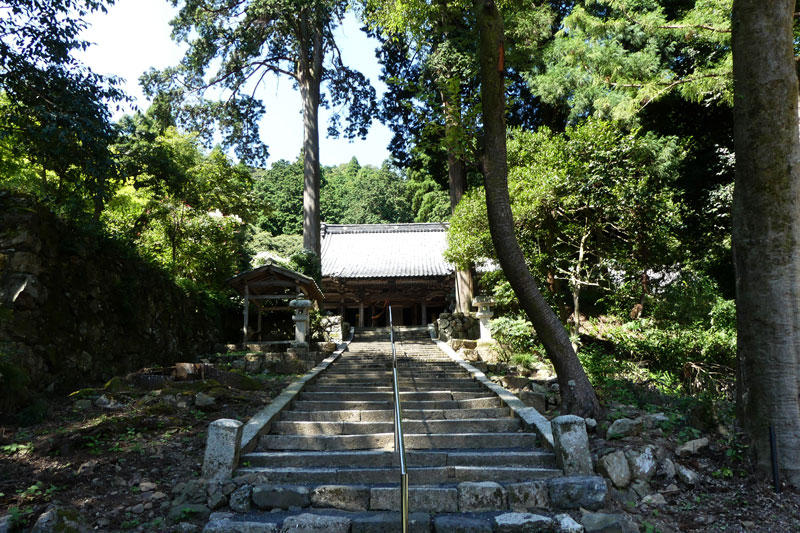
301 323
484 305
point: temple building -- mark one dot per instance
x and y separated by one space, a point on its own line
366 266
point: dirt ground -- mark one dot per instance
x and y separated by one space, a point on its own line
116 465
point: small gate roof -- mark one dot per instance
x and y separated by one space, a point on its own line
271 278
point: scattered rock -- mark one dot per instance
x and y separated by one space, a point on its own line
147 486
566 524
87 468
216 501
655 499
606 523
184 511
687 475
692 447
56 519
591 424
643 464
203 400
623 427
136 509
240 499
83 404
615 467
640 488
652 420
666 469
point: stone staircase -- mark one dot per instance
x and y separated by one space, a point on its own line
328 462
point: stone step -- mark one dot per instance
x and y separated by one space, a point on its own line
386 441
416 475
387 415
385 458
431 395
472 403
404 387
466 425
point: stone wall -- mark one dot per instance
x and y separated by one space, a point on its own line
457 326
77 307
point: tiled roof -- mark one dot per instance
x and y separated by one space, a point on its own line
384 250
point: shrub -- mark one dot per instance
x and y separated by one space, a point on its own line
513 334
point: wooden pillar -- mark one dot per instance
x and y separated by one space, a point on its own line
246 312
361 314
424 314
259 323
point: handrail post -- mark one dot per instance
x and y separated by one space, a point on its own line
399 444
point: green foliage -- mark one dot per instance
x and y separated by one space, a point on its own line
688 300
308 263
34 413
513 334
614 57
587 202
53 108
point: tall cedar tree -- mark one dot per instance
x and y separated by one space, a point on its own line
233 45
577 394
766 229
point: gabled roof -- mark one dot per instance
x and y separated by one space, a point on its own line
384 250
275 279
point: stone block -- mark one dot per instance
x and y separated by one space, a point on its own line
615 467
310 523
527 496
240 499
281 496
222 449
347 497
461 524
476 496
433 499
571 445
577 491
227 525
537 400
383 522
522 522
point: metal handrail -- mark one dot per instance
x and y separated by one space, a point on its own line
399 443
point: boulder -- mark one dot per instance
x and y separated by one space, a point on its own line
692 447
624 427
574 492
522 522
642 463
615 467
687 475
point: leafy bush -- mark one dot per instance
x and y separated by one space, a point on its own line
514 335
687 300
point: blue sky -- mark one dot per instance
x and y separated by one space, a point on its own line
135 35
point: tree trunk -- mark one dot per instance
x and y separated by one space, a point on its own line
577 394
766 230
310 77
